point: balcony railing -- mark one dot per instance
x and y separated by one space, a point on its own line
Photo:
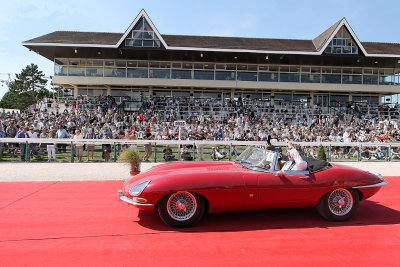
230 72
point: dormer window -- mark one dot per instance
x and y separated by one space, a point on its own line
342 43
142 35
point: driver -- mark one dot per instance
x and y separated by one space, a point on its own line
294 156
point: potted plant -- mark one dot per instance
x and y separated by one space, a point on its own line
131 157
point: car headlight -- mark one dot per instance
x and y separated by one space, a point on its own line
137 189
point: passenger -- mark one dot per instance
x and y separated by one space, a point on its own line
294 156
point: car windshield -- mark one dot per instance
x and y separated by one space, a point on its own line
256 158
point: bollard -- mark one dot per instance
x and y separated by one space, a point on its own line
72 152
115 152
389 153
27 152
194 151
329 153
359 153
155 152
230 151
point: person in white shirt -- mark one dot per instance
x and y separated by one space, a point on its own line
294 155
78 146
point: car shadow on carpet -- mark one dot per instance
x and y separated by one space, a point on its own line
368 213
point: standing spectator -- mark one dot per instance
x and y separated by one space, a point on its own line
51 148
78 146
62 133
90 147
106 149
2 147
148 149
22 146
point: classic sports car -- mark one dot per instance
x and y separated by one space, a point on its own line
182 192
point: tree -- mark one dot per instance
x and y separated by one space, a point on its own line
28 87
321 155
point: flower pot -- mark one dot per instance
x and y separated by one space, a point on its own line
134 173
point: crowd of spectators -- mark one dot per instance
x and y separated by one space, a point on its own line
206 119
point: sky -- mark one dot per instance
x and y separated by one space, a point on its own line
21 20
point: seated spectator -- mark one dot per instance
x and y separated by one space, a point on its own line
185 154
168 156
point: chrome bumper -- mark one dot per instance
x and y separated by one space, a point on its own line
372 185
133 202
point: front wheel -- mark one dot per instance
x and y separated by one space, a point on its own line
181 209
338 205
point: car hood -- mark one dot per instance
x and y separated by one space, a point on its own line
182 168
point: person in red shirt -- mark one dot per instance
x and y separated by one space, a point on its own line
148 131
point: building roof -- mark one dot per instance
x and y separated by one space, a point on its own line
315 46
212 42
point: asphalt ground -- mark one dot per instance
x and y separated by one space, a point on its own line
83 223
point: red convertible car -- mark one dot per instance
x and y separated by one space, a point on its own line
182 192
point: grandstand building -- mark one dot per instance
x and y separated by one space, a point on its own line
334 67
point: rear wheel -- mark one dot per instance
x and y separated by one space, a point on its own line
338 205
181 209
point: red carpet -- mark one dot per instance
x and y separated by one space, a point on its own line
84 224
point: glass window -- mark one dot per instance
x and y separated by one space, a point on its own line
198 66
315 70
76 71
352 79
331 78
241 67
370 79
367 71
118 92
300 99
166 93
335 100
209 66
181 74
283 97
98 63
159 73
247 76
96 92
267 77
142 35
225 75
132 64
252 67
310 78
289 77
60 70
203 75
94 72
284 68
137 73
115 72
273 68
220 66
185 94
187 66
109 63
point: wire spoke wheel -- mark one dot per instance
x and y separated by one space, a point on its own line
181 206
340 202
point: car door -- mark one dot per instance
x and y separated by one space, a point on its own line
288 186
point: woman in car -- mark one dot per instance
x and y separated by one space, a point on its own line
297 160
